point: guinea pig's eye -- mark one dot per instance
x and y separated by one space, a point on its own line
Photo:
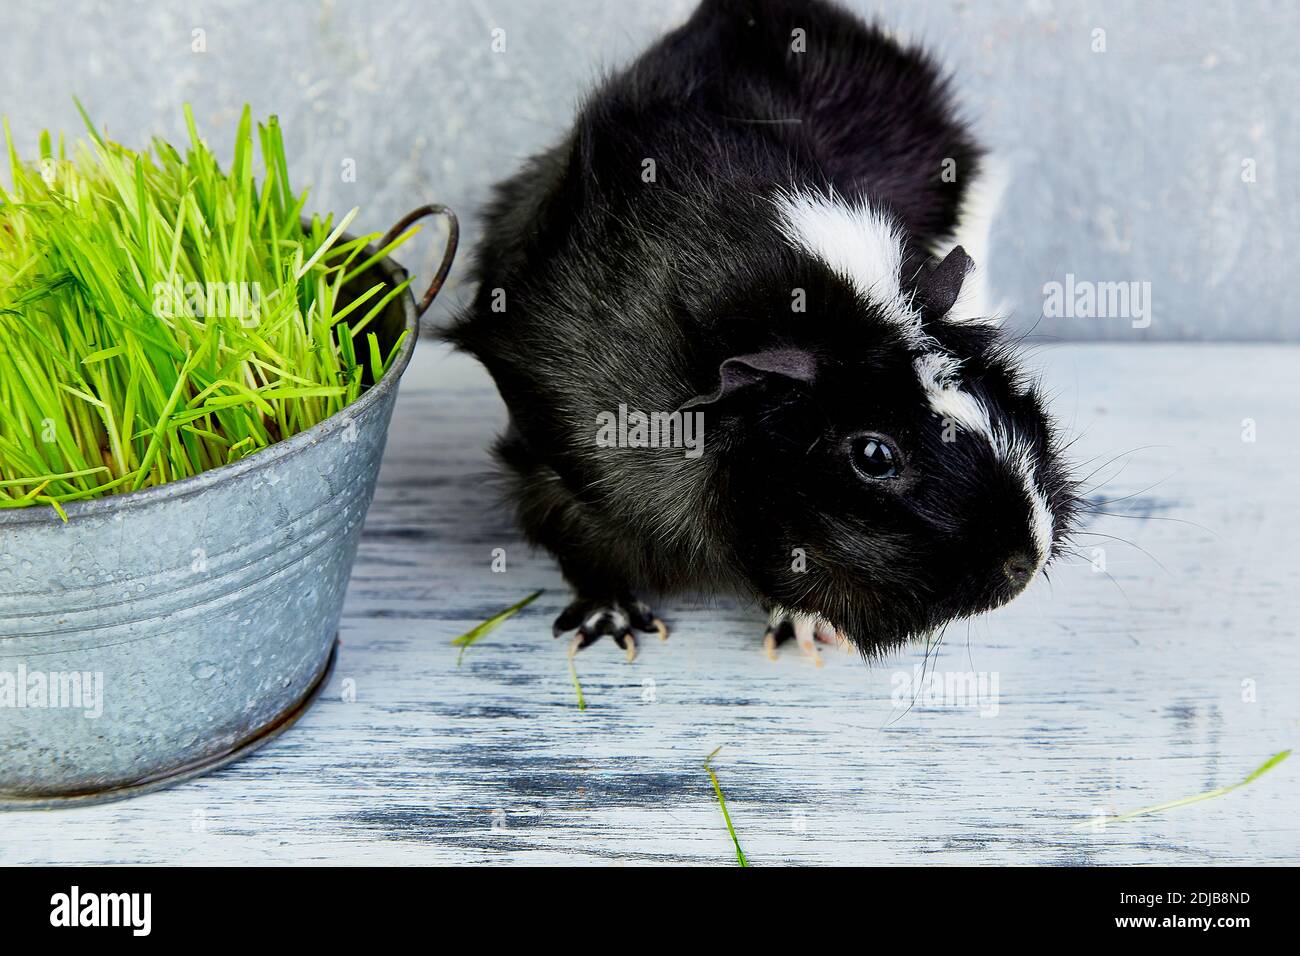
875 457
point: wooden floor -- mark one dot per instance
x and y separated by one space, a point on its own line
1173 672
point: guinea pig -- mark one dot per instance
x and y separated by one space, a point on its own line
744 350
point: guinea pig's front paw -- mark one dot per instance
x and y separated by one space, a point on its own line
807 630
617 618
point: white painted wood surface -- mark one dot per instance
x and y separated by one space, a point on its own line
1116 690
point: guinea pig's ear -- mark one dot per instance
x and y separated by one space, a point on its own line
937 292
773 366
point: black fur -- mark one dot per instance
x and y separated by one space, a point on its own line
616 290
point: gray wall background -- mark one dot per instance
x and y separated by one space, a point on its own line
1123 165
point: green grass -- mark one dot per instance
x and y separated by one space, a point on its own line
577 684
1258 772
160 317
722 802
470 637
474 634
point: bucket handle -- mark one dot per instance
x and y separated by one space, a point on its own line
453 239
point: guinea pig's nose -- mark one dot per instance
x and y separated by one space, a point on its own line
1019 569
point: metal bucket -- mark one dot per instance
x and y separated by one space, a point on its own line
160 634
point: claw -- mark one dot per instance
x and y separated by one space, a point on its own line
807 630
804 630
617 618
644 619
627 641
777 634
583 639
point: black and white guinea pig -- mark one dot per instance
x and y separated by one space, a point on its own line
743 349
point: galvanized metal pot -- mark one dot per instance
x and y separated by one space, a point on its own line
160 634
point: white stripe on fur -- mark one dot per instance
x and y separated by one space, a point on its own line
859 243
1022 459
938 375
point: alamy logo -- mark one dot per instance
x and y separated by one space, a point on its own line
634 429
221 300
976 690
75 908
81 690
1082 299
